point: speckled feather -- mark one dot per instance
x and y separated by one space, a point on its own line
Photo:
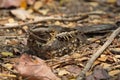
57 41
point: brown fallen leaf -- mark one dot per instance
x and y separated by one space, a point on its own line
38 5
73 69
21 14
90 77
103 58
43 12
9 3
63 72
111 1
15 3
105 65
34 68
118 2
98 74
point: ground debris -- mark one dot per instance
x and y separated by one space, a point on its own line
62 35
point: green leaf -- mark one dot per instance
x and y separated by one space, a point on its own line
5 54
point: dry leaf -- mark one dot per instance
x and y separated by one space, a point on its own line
23 4
9 3
105 65
111 1
11 20
8 66
25 28
30 2
13 42
15 3
103 58
98 74
96 63
90 77
3 21
21 14
43 12
118 2
34 68
20 32
57 23
95 4
111 58
73 69
6 54
38 5
30 10
76 55
114 72
63 72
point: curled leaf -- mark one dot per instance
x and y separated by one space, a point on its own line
34 68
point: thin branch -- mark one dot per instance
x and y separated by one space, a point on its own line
98 53
47 19
12 37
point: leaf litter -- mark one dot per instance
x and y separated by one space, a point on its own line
15 25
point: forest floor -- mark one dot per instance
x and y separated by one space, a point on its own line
99 59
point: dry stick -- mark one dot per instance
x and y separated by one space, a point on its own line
46 19
97 54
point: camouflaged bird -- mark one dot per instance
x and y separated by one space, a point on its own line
49 42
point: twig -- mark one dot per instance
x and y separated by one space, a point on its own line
114 66
12 37
1 64
47 19
97 54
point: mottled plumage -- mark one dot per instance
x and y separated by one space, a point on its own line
57 41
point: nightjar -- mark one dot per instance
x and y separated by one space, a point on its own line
55 41
52 42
